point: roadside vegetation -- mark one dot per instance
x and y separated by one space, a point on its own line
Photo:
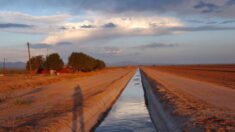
36 62
54 62
83 62
77 61
22 102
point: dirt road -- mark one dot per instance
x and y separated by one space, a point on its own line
74 105
212 94
205 102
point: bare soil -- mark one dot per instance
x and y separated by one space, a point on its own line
72 102
205 104
223 75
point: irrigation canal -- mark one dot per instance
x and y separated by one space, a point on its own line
129 113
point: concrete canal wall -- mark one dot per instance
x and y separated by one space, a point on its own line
161 117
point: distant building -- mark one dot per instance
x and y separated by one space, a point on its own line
64 70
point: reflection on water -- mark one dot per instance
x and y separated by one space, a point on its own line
136 84
129 113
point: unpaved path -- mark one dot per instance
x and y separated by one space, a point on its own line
195 103
64 106
215 95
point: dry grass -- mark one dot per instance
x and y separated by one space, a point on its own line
24 81
14 71
201 115
23 102
6 95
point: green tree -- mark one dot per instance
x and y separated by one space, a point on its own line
54 62
100 64
74 61
36 62
83 62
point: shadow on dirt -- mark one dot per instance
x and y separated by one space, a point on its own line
77 110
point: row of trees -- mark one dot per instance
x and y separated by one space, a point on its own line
77 62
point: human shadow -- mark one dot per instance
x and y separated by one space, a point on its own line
77 110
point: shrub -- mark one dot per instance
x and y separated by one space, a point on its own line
36 62
54 62
100 64
83 62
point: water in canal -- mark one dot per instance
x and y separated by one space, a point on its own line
129 113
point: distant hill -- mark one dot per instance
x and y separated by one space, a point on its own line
13 65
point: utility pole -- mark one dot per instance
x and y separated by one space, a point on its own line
47 52
4 66
46 60
30 68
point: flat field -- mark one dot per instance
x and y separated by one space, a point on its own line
13 71
223 75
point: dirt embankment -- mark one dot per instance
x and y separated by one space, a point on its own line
12 86
74 104
23 81
223 75
198 105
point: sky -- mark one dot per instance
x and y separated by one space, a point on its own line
120 32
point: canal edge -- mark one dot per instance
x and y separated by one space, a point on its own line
162 119
104 114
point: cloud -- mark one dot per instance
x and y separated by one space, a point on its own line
87 26
220 8
112 50
104 5
195 21
32 24
62 28
46 45
14 25
212 22
40 46
35 29
159 7
119 6
201 28
155 45
202 5
135 26
230 2
124 27
63 43
104 51
228 22
206 7
109 25
9 17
